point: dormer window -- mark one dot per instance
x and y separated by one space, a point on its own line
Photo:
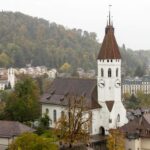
109 72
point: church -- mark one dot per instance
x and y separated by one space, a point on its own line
102 95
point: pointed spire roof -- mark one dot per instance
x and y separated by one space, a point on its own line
109 48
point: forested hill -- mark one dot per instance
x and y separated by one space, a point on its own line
25 39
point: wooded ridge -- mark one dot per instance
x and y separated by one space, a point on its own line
25 39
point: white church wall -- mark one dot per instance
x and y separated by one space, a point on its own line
109 91
95 123
98 116
100 119
50 112
118 115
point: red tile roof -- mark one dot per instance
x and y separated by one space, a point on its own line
109 48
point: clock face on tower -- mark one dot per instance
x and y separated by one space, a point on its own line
117 83
101 83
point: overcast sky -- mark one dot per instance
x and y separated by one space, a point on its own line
131 17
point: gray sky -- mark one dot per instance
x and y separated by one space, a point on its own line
131 17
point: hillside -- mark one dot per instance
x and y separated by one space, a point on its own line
25 39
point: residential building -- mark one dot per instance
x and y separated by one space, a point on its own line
137 133
9 130
133 85
33 71
52 73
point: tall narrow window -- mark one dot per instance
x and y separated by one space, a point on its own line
55 115
62 114
117 72
118 118
109 72
102 72
47 111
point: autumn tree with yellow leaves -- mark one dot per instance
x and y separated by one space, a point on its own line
116 140
65 67
74 124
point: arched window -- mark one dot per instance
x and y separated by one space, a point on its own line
102 72
117 72
55 115
47 111
62 114
118 118
109 72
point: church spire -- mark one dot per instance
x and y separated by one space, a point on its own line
109 48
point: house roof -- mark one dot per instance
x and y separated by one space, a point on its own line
61 87
13 128
140 126
109 48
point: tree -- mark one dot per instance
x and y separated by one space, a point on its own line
43 124
23 103
140 100
65 67
31 141
7 87
139 71
3 96
4 60
144 99
115 140
75 122
44 121
133 102
126 96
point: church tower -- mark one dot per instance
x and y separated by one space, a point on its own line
109 80
109 67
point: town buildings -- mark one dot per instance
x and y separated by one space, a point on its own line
37 71
134 85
